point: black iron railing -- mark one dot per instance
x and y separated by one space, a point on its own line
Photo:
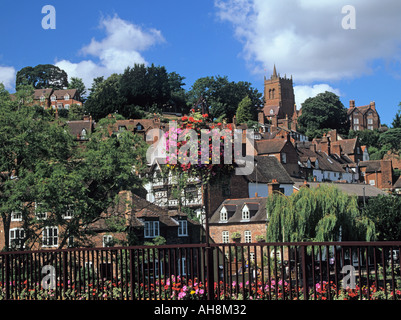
271 271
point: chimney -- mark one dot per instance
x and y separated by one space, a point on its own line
325 145
373 105
352 103
333 135
261 118
387 174
273 187
275 121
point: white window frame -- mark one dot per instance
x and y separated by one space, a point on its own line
16 215
69 212
372 182
14 238
356 121
223 215
183 228
247 236
225 237
246 214
40 215
370 121
107 240
67 97
49 238
53 98
151 229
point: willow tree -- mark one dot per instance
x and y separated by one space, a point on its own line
319 214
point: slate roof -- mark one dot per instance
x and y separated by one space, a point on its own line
371 165
267 169
269 146
349 188
257 208
76 126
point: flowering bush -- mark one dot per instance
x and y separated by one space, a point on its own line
184 148
177 288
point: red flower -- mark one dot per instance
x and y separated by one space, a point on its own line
219 124
191 119
184 118
205 115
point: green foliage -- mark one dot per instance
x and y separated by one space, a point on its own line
244 111
77 83
384 211
325 111
319 214
42 76
223 96
392 139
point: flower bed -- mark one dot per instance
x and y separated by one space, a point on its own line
176 288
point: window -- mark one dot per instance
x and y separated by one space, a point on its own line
223 214
356 128
225 237
17 236
42 98
283 157
83 133
50 237
370 127
16 216
69 211
248 236
107 240
66 106
372 182
66 97
356 121
183 228
370 121
151 229
245 213
53 98
40 215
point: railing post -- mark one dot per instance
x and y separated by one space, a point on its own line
65 272
304 273
210 273
7 276
131 273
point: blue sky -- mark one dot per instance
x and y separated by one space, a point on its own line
240 39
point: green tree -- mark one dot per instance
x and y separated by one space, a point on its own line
244 111
391 139
316 214
42 170
42 76
323 112
384 211
222 96
105 98
77 83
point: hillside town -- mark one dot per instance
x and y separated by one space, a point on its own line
285 161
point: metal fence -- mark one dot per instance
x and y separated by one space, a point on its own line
266 271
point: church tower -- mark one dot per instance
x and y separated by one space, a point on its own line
279 96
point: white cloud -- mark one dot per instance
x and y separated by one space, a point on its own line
305 38
121 47
7 77
304 92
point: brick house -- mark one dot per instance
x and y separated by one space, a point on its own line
246 216
378 173
139 221
60 99
282 148
81 129
363 117
63 99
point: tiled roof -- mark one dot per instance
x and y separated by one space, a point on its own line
258 211
267 169
269 146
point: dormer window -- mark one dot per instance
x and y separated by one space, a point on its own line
139 127
53 98
42 98
83 133
317 163
246 215
67 97
223 214
151 229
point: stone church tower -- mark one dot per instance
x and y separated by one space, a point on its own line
279 97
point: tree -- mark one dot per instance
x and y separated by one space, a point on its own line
42 76
222 96
391 139
323 112
384 211
244 111
77 83
42 170
105 98
319 214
